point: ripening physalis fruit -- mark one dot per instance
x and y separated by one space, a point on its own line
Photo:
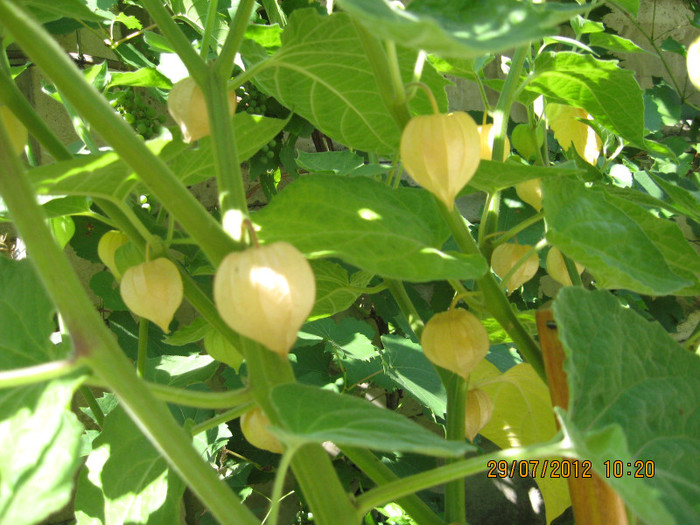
692 60
569 131
153 290
254 427
487 134
478 412
266 293
455 340
525 141
556 267
107 247
530 191
441 152
505 256
16 130
188 108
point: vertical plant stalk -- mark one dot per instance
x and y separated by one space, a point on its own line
455 501
311 465
96 346
495 300
274 12
195 64
236 32
489 219
46 53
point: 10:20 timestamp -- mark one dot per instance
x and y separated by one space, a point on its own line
619 469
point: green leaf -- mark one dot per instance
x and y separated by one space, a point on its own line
195 12
314 415
321 72
614 43
252 133
460 28
492 176
181 371
409 369
672 45
634 395
396 233
350 337
191 333
40 443
335 291
63 229
333 162
125 479
26 317
631 5
144 77
616 248
684 200
662 106
610 94
50 10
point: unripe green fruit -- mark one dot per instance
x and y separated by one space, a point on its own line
16 130
487 134
266 293
441 152
187 106
455 340
153 290
556 267
505 256
525 140
478 412
530 191
254 427
107 247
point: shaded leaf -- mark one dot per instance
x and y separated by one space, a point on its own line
335 291
314 415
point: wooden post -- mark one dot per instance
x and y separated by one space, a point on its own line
593 501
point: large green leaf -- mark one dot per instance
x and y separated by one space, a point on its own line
348 338
26 317
610 94
460 28
634 396
491 175
126 480
50 10
322 73
40 443
335 290
314 415
408 368
395 233
620 250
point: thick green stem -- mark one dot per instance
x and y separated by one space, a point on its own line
192 398
381 474
208 30
274 12
96 346
142 353
236 32
489 218
44 51
195 64
385 71
94 406
460 469
406 306
218 419
228 170
37 373
495 300
455 505
311 465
